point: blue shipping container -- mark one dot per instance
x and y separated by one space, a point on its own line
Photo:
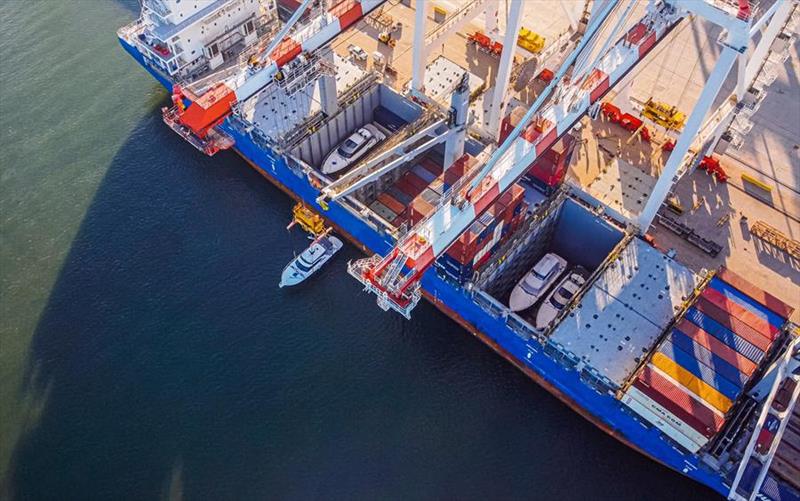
700 370
711 360
745 301
720 332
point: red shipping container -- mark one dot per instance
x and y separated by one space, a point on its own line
759 324
788 454
733 324
415 181
506 197
459 166
390 203
406 187
717 347
433 167
419 210
766 299
690 409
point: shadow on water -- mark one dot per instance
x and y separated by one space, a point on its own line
174 367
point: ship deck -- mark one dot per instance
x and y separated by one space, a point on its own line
674 73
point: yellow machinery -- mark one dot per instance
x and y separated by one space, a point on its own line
530 41
386 37
307 219
664 115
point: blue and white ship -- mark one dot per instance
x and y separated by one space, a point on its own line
458 203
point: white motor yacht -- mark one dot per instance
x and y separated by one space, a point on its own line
560 296
352 148
310 260
536 282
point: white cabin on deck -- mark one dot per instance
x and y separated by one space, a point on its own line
182 37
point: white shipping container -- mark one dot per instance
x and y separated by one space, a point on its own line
669 417
662 425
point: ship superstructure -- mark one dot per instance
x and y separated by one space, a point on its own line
467 190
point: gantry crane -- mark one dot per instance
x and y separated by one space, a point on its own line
395 278
197 122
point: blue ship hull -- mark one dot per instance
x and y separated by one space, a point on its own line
602 409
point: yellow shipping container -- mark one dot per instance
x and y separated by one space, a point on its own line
695 385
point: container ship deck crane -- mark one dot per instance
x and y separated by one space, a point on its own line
196 122
395 278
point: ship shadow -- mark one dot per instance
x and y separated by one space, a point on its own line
113 333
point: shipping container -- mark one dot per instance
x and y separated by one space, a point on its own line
759 323
667 415
717 347
418 183
733 324
406 187
437 185
729 338
382 211
423 174
788 472
419 210
660 386
700 370
788 454
708 358
400 196
430 196
696 385
551 167
392 204
456 270
757 295
732 294
433 167
664 426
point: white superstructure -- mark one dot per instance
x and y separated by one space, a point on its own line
183 37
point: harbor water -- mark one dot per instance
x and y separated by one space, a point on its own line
147 352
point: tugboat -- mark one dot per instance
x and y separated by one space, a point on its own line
310 260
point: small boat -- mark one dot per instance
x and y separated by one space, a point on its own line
310 260
560 296
536 282
352 148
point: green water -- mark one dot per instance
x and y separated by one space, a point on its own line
66 108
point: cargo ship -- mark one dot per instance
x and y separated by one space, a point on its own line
695 368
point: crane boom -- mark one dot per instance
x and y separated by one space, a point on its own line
197 121
541 127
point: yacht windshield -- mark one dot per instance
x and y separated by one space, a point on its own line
555 303
350 148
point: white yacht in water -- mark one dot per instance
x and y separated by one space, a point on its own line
353 148
536 282
310 260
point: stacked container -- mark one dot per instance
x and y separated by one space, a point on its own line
548 171
395 204
476 245
704 364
